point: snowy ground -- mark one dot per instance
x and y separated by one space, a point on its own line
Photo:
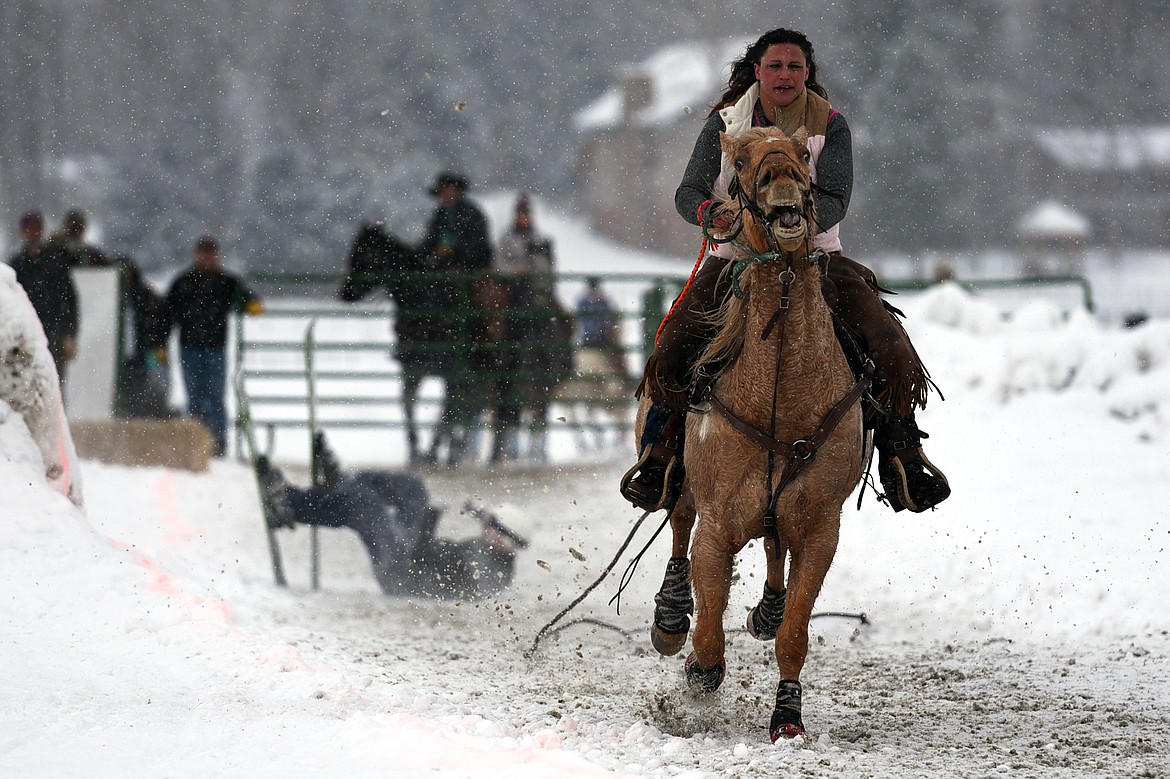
1022 629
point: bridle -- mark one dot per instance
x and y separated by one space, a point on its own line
796 454
747 255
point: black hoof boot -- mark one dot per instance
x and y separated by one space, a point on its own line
786 722
909 479
673 606
764 620
704 681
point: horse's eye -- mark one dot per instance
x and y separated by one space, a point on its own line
804 155
738 165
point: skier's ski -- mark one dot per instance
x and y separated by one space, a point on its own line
244 415
489 519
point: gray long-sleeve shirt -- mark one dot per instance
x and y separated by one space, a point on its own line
834 172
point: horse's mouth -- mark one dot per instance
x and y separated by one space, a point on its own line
786 222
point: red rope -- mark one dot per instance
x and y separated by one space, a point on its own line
683 294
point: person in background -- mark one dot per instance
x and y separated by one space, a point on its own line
457 240
144 383
535 328
46 280
525 254
599 324
393 515
457 234
775 84
70 243
199 303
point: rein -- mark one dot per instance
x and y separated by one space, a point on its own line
750 255
796 454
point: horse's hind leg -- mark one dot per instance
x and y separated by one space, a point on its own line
764 620
810 563
673 604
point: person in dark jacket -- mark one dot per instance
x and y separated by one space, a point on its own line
457 239
46 280
393 516
70 243
199 303
457 235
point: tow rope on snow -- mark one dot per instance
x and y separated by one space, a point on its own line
544 630
548 629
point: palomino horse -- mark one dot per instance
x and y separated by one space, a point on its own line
777 446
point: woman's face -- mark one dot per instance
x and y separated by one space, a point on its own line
781 72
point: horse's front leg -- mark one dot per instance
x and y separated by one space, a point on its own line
810 564
711 563
764 620
410 383
673 604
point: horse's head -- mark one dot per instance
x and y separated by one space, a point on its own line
368 251
375 251
771 191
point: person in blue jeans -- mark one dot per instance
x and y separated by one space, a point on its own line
393 516
199 303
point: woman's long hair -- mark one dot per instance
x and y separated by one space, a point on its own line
743 73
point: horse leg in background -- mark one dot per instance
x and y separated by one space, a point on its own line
764 620
506 422
711 564
410 385
673 604
538 429
810 563
457 419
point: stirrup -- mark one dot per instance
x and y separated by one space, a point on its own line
931 485
655 497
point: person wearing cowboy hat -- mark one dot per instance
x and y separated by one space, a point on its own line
457 235
457 240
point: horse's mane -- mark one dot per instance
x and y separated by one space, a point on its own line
729 321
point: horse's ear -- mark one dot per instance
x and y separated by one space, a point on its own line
801 135
727 143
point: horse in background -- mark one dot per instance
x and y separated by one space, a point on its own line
778 446
537 356
431 340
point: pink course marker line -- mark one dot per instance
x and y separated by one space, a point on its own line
180 532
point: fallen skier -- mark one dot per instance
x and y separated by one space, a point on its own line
393 516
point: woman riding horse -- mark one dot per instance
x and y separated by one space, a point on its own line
775 85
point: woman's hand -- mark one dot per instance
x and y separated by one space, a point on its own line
721 222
